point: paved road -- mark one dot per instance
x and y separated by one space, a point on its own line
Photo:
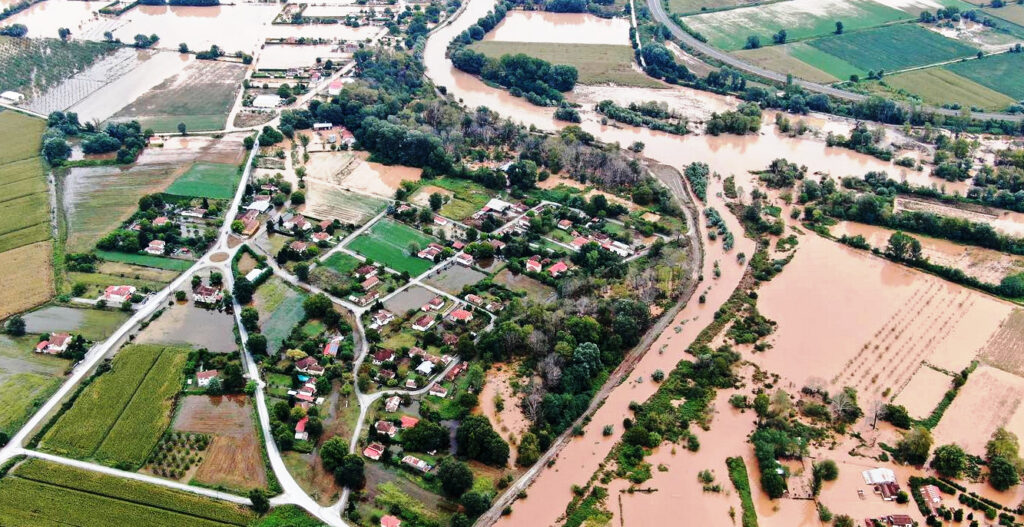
658 11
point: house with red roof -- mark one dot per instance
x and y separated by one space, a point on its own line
309 365
558 269
209 295
203 378
321 236
386 428
156 247
464 259
474 299
565 225
423 323
381 318
161 221
383 355
298 246
374 451
438 390
435 304
118 294
391 403
456 371
300 429
533 266
331 348
370 283
409 421
416 463
390 521
56 344
460 315
366 271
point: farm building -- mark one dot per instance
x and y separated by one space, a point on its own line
12 97
118 294
203 378
253 275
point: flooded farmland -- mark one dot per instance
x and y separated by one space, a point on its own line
45 18
284 56
562 28
199 27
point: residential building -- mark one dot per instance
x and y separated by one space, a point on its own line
390 521
366 271
370 283
565 225
374 451
416 463
118 294
386 428
391 404
474 299
203 378
309 365
209 295
464 259
558 269
460 315
533 266
931 496
331 348
160 221
438 220
425 368
438 390
321 237
156 247
300 430
56 344
409 421
423 323
456 371
383 355
435 304
298 246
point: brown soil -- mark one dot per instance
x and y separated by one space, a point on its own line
1003 348
246 263
234 458
218 257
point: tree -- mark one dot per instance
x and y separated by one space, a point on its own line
183 48
753 42
237 226
302 271
350 472
914 446
182 129
250 318
475 503
897 415
1002 474
455 476
902 247
257 344
317 306
64 33
949 461
826 470
436 200
529 450
15 326
780 37
260 502
839 28
477 440
56 150
425 437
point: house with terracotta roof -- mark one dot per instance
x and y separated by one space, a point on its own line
386 428
298 246
565 225
391 404
460 315
558 269
383 355
367 299
56 344
309 365
374 451
438 390
438 220
474 299
408 421
203 378
370 283
366 271
465 259
321 237
931 496
456 371
381 318
209 295
118 294
300 429
390 521
497 244
533 266
435 304
156 247
423 323
430 252
161 221
331 348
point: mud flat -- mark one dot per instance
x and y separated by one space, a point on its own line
877 323
562 28
924 391
692 104
1006 222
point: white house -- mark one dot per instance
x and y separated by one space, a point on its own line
156 247
253 275
425 368
117 294
203 378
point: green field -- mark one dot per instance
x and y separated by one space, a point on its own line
1008 19
1002 73
468 197
893 48
800 18
174 100
689 7
119 418
146 260
938 86
26 378
39 493
24 198
96 282
596 63
280 309
32 65
387 242
796 59
207 180
341 262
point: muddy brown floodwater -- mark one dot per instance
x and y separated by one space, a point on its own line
574 28
45 18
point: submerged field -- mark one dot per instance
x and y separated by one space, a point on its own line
596 63
119 418
32 65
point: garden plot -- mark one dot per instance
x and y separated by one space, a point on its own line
330 202
988 401
280 309
191 326
924 392
411 298
25 378
454 277
800 18
174 100
234 458
390 243
93 324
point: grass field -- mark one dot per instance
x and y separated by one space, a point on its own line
1002 73
37 492
25 254
689 7
938 86
783 59
1009 19
96 282
119 418
468 197
893 48
596 63
280 309
800 18
341 262
32 65
26 378
146 260
174 100
207 180
387 241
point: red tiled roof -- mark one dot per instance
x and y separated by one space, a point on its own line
408 421
208 374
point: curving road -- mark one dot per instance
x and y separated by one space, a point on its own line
659 14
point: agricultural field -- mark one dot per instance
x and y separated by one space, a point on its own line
689 7
388 242
1011 12
1002 349
326 201
454 278
785 59
176 99
33 65
25 379
892 48
146 260
800 18
192 327
120 416
234 457
464 197
117 273
93 324
36 490
25 222
280 309
990 399
342 263
938 86
207 180
596 63
1002 73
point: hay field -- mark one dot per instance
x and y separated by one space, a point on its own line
1003 73
27 280
596 63
938 86
783 59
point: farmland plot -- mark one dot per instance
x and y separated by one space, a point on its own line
938 86
280 309
388 242
234 458
326 201
28 279
93 324
25 379
893 48
207 180
1003 73
102 73
33 65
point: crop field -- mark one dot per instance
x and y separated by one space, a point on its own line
32 65
37 492
146 260
207 180
596 63
23 193
938 86
120 416
27 280
1003 73
174 100
280 309
893 48
784 59
326 201
689 7
388 242
234 459
25 379
800 18
341 262
1011 12
1003 348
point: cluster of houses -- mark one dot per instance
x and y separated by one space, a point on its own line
883 482
893 520
368 277
554 268
54 344
600 238
334 134
501 208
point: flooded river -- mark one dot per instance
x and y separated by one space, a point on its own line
565 28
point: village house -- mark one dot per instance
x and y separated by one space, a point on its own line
56 344
460 315
386 428
408 421
374 451
439 221
381 318
365 300
565 225
438 390
931 496
416 463
366 271
118 294
156 247
370 283
558 269
533 265
900 520
390 521
464 259
298 246
194 213
391 404
425 368
435 304
310 366
331 348
474 299
203 378
423 323
385 375
160 221
383 355
456 371
300 430
321 237
458 246
430 251
208 295
497 244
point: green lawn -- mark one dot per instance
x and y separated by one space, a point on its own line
96 283
596 63
146 260
343 263
783 59
938 86
38 492
800 18
20 395
1002 73
388 241
207 180
893 48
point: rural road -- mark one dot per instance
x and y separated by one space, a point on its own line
659 14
